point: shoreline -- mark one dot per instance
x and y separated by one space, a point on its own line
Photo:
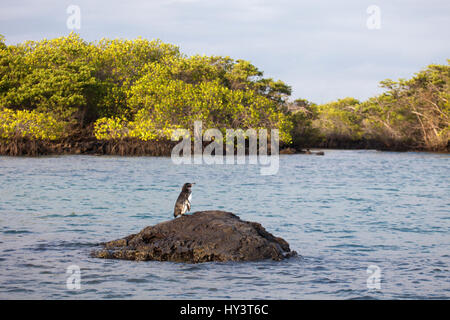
162 148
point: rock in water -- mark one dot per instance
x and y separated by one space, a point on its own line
200 237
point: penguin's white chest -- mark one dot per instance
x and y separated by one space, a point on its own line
187 205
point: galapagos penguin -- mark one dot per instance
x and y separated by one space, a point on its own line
183 203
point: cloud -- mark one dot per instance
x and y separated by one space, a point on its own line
322 48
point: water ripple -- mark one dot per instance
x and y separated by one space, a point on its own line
341 215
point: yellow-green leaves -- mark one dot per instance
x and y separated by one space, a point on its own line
143 129
30 124
163 99
137 88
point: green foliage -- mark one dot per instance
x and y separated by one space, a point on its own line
138 88
145 89
160 98
415 112
30 124
2 42
412 113
111 128
119 128
340 119
47 76
120 63
304 134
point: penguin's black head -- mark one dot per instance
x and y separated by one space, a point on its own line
187 186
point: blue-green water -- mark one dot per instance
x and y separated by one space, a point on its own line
341 212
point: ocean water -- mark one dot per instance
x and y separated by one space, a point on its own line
342 213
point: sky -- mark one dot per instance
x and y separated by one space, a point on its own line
324 49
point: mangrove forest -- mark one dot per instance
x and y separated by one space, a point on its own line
67 95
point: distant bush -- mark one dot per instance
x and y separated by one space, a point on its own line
412 114
415 112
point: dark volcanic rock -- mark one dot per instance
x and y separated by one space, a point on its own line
200 237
